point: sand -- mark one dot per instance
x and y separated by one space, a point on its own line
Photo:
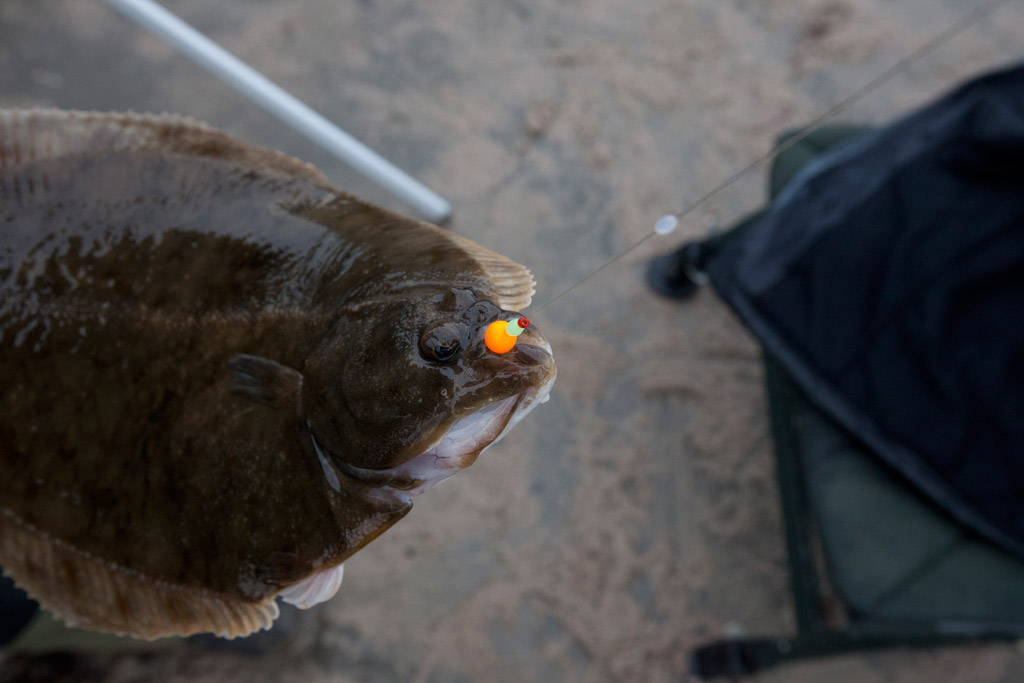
635 515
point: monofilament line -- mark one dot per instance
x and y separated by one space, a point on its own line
960 25
595 272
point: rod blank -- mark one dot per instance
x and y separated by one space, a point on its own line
256 87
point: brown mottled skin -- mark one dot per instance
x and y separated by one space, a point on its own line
128 282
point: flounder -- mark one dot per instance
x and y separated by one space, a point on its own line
220 376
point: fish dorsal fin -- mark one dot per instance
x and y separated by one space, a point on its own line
28 135
507 283
511 284
413 247
86 592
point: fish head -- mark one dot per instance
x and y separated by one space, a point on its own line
405 392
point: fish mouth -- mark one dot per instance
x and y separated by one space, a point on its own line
464 441
457 448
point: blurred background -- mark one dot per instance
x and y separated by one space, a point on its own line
635 515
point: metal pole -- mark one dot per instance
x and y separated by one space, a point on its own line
286 107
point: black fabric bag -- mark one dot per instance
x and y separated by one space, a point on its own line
888 280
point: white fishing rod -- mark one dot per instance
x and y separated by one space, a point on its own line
258 88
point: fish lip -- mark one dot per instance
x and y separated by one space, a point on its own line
438 463
461 443
457 448
447 455
487 424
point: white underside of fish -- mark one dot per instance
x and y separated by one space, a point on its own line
315 589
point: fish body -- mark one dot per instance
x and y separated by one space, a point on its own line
220 377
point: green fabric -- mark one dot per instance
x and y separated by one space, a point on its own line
891 553
792 159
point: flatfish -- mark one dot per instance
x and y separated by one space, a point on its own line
220 376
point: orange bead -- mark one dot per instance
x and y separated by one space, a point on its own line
497 339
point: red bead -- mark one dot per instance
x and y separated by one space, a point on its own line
524 323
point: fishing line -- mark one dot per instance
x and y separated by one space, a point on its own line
666 224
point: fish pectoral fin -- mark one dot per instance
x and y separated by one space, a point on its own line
87 592
265 381
282 568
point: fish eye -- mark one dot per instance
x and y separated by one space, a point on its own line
441 343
